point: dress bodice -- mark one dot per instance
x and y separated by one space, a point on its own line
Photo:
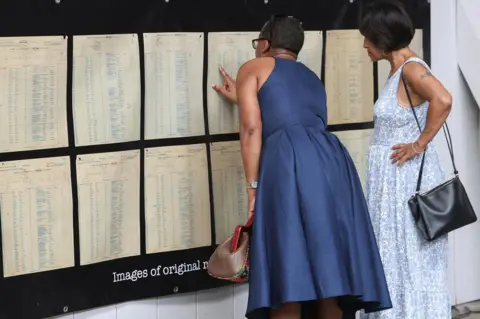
395 123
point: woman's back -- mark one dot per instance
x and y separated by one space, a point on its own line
312 237
292 95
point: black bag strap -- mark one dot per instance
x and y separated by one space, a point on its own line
446 132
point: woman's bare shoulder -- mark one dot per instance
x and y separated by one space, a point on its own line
257 67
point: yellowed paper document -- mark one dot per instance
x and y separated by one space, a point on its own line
177 200
348 78
106 89
357 143
33 93
383 67
108 205
173 85
37 215
311 53
229 50
229 188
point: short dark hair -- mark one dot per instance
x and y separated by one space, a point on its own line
387 25
284 32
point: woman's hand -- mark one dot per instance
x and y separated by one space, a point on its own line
227 89
404 152
251 202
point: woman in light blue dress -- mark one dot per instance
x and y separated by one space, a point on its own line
416 270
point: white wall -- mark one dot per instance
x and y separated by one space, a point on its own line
464 127
464 122
223 303
468 36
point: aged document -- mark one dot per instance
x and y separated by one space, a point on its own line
108 205
106 89
383 68
33 93
348 78
37 215
177 200
229 50
173 85
311 53
357 143
229 188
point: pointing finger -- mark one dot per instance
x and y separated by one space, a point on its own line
224 74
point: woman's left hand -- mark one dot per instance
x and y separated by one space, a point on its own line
404 152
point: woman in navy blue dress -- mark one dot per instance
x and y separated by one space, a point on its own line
312 238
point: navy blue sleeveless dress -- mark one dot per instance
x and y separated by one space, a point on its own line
312 237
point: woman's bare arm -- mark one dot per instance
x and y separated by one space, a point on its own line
421 81
250 119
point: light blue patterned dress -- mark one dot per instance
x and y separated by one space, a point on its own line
416 270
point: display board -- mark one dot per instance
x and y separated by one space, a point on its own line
120 167
348 78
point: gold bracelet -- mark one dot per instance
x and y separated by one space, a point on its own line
417 152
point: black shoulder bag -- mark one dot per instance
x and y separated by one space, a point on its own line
444 208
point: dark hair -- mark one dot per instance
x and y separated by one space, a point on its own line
387 25
284 32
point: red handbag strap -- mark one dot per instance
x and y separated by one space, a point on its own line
249 223
237 234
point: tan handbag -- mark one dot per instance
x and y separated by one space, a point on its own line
230 261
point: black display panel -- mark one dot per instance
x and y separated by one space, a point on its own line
50 293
